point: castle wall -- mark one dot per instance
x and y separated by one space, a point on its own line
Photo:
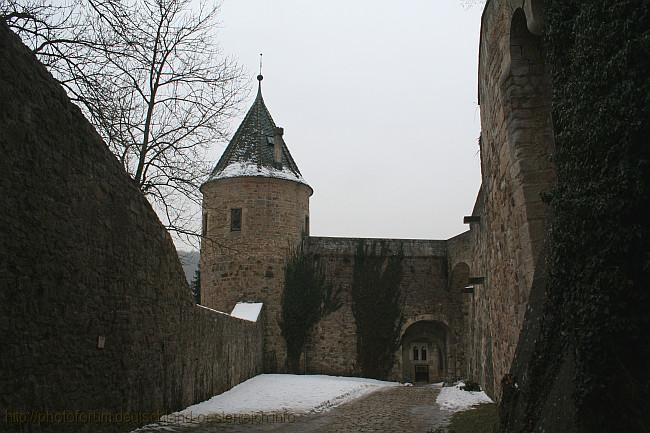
95 313
470 249
516 144
248 265
582 361
332 346
459 259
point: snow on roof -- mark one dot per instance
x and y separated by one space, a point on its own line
247 310
253 150
241 169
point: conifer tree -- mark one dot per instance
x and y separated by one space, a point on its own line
196 286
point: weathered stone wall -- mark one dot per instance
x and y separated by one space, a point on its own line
332 346
582 362
484 319
466 252
516 145
84 261
248 265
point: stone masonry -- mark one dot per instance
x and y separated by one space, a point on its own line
516 147
475 286
95 313
248 265
256 210
111 322
332 348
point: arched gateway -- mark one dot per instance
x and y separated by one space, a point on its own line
424 352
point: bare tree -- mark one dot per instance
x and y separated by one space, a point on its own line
37 21
152 81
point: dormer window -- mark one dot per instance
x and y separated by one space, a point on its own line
277 147
235 220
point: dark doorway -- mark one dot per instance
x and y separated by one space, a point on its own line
424 349
422 373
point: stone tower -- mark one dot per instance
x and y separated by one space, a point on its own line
255 209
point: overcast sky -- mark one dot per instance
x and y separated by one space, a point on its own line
378 103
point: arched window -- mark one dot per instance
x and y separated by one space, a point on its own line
415 353
423 351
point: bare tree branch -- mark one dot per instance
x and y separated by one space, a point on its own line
150 78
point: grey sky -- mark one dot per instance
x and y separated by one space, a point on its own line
378 103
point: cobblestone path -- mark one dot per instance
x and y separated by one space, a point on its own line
392 410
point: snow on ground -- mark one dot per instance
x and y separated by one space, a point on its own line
290 393
454 399
247 310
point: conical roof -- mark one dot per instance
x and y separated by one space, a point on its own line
251 151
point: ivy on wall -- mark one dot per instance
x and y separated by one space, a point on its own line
599 53
598 299
377 306
307 297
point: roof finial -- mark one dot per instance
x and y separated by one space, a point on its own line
260 77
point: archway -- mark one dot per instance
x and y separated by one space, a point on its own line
534 10
424 352
530 132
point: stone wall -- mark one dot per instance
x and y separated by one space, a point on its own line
501 248
95 313
516 146
332 346
582 362
248 265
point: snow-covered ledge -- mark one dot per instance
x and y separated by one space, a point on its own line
247 310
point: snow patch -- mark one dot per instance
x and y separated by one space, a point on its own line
454 399
241 169
295 394
247 310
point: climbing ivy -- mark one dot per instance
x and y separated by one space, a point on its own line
600 257
377 306
598 304
307 297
